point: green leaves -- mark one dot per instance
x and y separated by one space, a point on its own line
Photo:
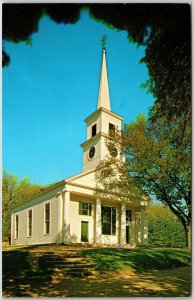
165 230
15 191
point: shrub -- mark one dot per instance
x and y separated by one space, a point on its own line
164 229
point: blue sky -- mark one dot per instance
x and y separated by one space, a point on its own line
52 86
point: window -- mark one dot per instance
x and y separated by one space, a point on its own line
108 220
30 223
111 129
94 129
16 226
128 215
85 208
47 218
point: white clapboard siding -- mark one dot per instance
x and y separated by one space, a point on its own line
38 227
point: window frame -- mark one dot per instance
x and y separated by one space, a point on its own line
45 221
111 129
113 222
29 226
94 129
89 208
16 226
129 218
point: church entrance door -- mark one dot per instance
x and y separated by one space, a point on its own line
84 231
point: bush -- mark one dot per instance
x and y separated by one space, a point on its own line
164 229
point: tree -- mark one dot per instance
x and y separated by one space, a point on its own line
157 163
9 187
15 191
165 229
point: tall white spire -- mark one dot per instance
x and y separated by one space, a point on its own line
103 95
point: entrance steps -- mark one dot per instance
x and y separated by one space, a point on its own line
42 266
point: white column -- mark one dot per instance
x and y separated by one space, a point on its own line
66 217
123 223
98 222
60 236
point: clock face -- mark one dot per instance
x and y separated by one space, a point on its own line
92 152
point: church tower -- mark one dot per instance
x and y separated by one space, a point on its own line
99 123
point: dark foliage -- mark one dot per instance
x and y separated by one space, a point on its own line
61 13
5 59
20 21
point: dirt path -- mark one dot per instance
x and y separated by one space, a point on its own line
165 283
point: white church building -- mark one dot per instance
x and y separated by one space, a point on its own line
69 211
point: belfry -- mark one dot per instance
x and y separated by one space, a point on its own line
69 211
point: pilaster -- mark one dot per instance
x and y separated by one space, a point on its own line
60 219
98 221
123 223
66 217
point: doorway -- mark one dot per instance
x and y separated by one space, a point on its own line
127 235
84 231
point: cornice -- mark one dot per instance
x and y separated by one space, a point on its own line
94 138
68 180
39 197
102 109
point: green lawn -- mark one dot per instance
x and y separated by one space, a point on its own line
138 260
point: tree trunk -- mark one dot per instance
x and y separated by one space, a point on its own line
187 228
189 236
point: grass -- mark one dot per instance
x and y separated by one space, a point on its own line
155 272
138 260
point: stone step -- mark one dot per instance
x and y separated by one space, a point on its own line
63 272
71 265
66 259
54 256
72 272
62 262
51 254
78 273
80 267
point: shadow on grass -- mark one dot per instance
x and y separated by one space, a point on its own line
137 260
24 272
163 283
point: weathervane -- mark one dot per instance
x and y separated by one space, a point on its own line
103 41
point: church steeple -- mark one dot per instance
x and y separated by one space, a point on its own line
103 95
99 123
